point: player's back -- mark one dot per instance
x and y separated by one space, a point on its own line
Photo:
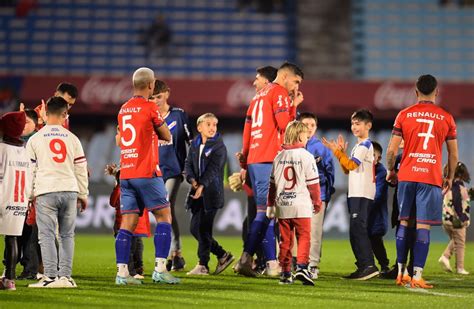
139 142
56 152
424 127
265 133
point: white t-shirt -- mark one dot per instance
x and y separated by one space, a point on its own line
15 187
292 171
362 179
59 163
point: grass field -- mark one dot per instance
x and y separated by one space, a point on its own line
94 272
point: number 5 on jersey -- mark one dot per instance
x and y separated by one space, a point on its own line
128 126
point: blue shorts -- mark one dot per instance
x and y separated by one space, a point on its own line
136 194
260 181
420 201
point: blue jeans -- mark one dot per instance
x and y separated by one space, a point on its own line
57 211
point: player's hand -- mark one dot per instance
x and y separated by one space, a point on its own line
22 107
317 207
447 184
271 212
331 144
42 112
194 184
298 98
111 169
242 160
235 182
392 177
341 143
198 192
82 204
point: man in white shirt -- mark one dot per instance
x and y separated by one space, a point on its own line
59 185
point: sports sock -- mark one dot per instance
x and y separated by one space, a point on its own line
417 273
421 249
402 248
302 266
269 242
160 265
122 270
257 232
123 243
162 239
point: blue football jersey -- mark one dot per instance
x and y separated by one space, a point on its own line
173 153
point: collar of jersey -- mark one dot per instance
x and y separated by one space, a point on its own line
294 146
426 102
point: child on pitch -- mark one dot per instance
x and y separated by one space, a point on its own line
135 263
294 195
325 165
15 187
360 167
204 170
456 206
377 224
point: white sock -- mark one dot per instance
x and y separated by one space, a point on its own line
401 268
405 273
417 272
122 270
160 265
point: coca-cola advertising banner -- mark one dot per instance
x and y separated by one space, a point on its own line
328 99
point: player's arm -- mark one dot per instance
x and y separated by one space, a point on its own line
347 164
187 128
80 171
188 168
271 197
215 166
452 146
33 168
282 110
329 170
159 125
245 141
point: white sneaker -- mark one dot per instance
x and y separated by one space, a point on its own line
64 282
199 270
462 271
44 282
39 276
139 277
314 270
273 269
444 262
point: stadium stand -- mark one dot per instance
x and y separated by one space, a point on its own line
400 39
209 38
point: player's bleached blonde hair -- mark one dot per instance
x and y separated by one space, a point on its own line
293 131
142 77
205 116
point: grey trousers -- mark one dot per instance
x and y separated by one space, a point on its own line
316 236
172 187
57 211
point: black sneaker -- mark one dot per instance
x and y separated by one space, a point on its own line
354 275
304 276
169 264
286 278
224 262
367 273
26 276
178 263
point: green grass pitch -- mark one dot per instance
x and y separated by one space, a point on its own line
94 271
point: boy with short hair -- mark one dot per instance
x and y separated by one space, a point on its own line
60 186
325 165
15 185
377 223
204 169
360 167
293 197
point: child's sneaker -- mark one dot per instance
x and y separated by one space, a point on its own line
273 269
462 271
127 280
314 270
44 282
403 280
178 263
198 270
286 278
244 266
304 276
65 282
420 284
164 277
224 262
444 262
7 284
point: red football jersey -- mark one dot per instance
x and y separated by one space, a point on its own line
139 142
269 113
424 128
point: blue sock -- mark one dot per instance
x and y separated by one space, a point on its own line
269 242
422 246
162 239
302 266
123 243
257 232
402 244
